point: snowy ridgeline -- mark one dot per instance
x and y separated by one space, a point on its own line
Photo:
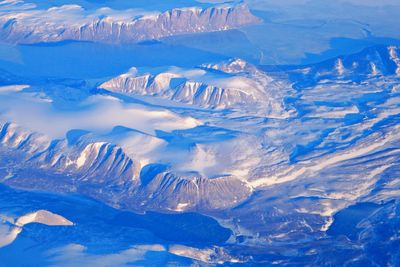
371 62
332 143
240 130
23 23
303 145
227 85
168 152
11 228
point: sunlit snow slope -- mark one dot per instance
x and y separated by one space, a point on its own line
207 160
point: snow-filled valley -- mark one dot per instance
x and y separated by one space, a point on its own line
119 147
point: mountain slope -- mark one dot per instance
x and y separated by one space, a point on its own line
231 84
71 22
105 172
376 61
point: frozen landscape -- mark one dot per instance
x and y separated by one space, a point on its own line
199 133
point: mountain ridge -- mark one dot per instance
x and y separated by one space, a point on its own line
25 28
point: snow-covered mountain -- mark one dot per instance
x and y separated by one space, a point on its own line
226 85
40 216
371 62
199 133
71 22
106 172
282 156
134 163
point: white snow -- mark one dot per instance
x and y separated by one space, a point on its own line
98 114
13 88
339 66
91 148
374 69
181 206
394 56
9 232
312 167
205 255
43 217
77 255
